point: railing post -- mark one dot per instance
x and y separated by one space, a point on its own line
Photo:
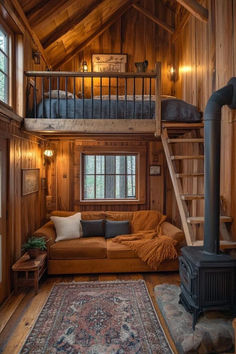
158 99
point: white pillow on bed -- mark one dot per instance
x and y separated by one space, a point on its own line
68 227
62 94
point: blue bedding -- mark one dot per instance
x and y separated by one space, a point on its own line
95 109
172 110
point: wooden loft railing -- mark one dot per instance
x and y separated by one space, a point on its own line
116 90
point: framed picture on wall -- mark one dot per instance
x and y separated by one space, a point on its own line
155 170
30 180
109 62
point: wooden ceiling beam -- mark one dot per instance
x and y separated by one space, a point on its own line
181 25
196 9
68 25
31 32
96 34
45 10
153 18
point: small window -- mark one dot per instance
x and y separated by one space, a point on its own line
4 65
109 177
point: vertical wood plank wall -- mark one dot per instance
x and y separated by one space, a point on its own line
206 59
64 172
25 213
137 36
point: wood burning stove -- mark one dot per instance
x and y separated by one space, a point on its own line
208 282
208 277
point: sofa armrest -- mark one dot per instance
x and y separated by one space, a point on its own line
48 232
174 232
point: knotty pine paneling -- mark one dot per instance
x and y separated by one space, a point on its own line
205 56
137 36
24 213
64 172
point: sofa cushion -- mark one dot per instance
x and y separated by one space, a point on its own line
92 215
115 228
82 248
117 250
93 227
119 215
67 227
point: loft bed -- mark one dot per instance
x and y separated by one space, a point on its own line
100 102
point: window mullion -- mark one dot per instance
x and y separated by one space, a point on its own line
105 179
115 178
4 53
126 186
95 177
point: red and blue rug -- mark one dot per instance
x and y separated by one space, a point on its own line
115 317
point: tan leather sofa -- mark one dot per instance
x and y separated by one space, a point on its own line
97 254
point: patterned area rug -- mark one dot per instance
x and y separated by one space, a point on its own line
98 317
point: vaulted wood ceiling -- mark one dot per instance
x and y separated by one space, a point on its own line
65 27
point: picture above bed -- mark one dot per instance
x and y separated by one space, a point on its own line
109 62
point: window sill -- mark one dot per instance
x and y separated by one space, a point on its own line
110 202
6 111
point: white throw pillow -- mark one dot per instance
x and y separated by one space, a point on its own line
68 227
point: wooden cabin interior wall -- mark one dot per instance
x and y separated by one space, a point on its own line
138 37
64 172
205 55
25 213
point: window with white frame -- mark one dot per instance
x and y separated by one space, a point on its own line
4 65
109 177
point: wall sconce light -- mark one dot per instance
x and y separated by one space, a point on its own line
36 57
84 66
173 73
48 155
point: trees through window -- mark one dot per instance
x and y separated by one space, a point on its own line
109 176
4 65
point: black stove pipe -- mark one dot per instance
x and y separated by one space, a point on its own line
212 132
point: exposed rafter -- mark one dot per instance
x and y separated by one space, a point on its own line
181 25
196 9
47 9
153 18
96 34
32 33
68 25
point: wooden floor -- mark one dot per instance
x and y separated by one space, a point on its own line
19 312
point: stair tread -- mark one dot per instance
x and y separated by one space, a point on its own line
192 196
182 125
186 157
187 140
181 175
200 219
223 244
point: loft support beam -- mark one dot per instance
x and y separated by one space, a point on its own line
31 32
153 18
196 9
96 34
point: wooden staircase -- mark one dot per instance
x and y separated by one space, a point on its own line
187 170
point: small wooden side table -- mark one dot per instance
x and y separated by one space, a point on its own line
28 272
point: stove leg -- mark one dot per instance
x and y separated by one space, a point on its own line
196 314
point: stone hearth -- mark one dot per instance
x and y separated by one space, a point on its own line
213 332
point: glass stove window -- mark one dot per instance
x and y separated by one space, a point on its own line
109 177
